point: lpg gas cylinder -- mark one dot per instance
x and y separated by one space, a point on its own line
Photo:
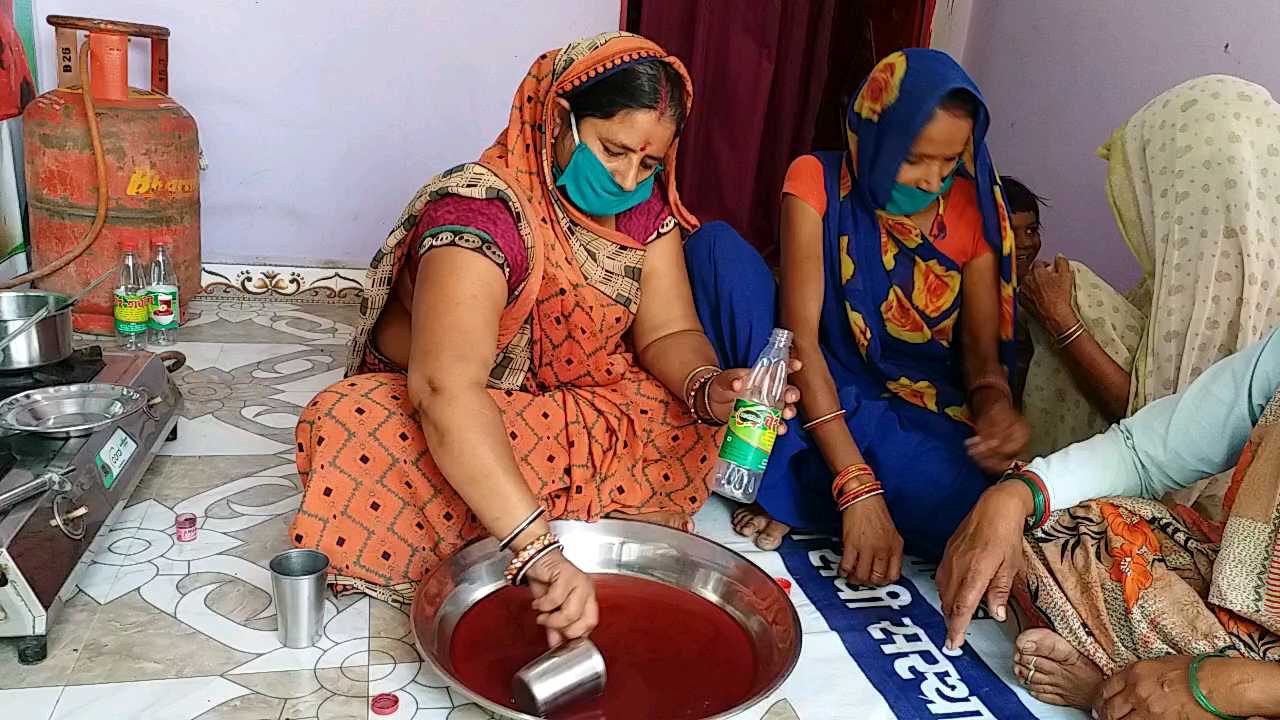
151 153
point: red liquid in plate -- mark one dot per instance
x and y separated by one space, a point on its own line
670 654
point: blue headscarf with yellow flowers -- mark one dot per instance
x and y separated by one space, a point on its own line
901 295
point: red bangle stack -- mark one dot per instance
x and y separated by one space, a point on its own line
858 494
848 474
846 496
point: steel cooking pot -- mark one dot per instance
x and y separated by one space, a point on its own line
47 342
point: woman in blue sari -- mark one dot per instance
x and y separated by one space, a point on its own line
897 281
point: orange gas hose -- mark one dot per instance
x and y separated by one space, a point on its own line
100 163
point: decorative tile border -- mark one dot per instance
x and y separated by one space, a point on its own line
342 286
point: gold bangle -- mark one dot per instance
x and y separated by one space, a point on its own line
698 387
1058 338
1079 324
1071 335
689 378
825 418
710 418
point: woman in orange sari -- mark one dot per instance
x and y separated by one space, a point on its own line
506 371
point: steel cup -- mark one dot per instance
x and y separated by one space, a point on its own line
571 672
297 580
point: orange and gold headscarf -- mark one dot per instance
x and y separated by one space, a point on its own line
517 170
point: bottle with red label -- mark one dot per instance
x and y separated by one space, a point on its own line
163 295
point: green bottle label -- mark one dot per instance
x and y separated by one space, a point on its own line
131 312
753 428
164 307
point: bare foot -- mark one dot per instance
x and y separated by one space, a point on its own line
753 522
1053 671
669 518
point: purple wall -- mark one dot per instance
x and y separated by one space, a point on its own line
320 118
1061 76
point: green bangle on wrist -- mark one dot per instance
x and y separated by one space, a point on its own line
1039 504
1192 676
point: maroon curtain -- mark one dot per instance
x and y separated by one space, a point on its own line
759 71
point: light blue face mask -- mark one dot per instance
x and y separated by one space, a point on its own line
591 186
907 200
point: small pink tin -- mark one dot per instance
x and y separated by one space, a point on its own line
185 527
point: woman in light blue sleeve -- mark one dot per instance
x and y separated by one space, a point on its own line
1137 609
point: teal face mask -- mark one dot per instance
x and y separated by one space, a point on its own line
906 200
591 186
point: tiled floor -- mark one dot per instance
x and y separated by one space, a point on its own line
159 629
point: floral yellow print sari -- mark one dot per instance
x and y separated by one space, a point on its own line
890 310
903 292
1127 579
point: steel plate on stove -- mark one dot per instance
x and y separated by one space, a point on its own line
69 410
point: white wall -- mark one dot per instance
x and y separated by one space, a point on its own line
1060 76
320 118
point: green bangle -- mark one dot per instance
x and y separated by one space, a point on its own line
1037 496
1198 693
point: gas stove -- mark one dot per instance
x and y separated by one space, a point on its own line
57 495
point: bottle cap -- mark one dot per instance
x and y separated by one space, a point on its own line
128 244
384 704
162 240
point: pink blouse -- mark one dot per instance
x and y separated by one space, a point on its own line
487 227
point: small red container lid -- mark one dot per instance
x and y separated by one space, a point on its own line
163 240
128 244
384 704
185 520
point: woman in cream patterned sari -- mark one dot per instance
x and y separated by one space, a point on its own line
1194 180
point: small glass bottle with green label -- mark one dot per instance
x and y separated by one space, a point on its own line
163 294
131 302
753 424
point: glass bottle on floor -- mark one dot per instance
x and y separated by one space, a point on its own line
163 295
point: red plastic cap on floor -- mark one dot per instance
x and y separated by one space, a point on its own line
384 704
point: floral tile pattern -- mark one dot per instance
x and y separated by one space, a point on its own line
159 628
298 284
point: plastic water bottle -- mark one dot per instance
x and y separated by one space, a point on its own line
131 299
163 296
753 425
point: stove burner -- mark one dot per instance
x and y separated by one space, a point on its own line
92 482
82 366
